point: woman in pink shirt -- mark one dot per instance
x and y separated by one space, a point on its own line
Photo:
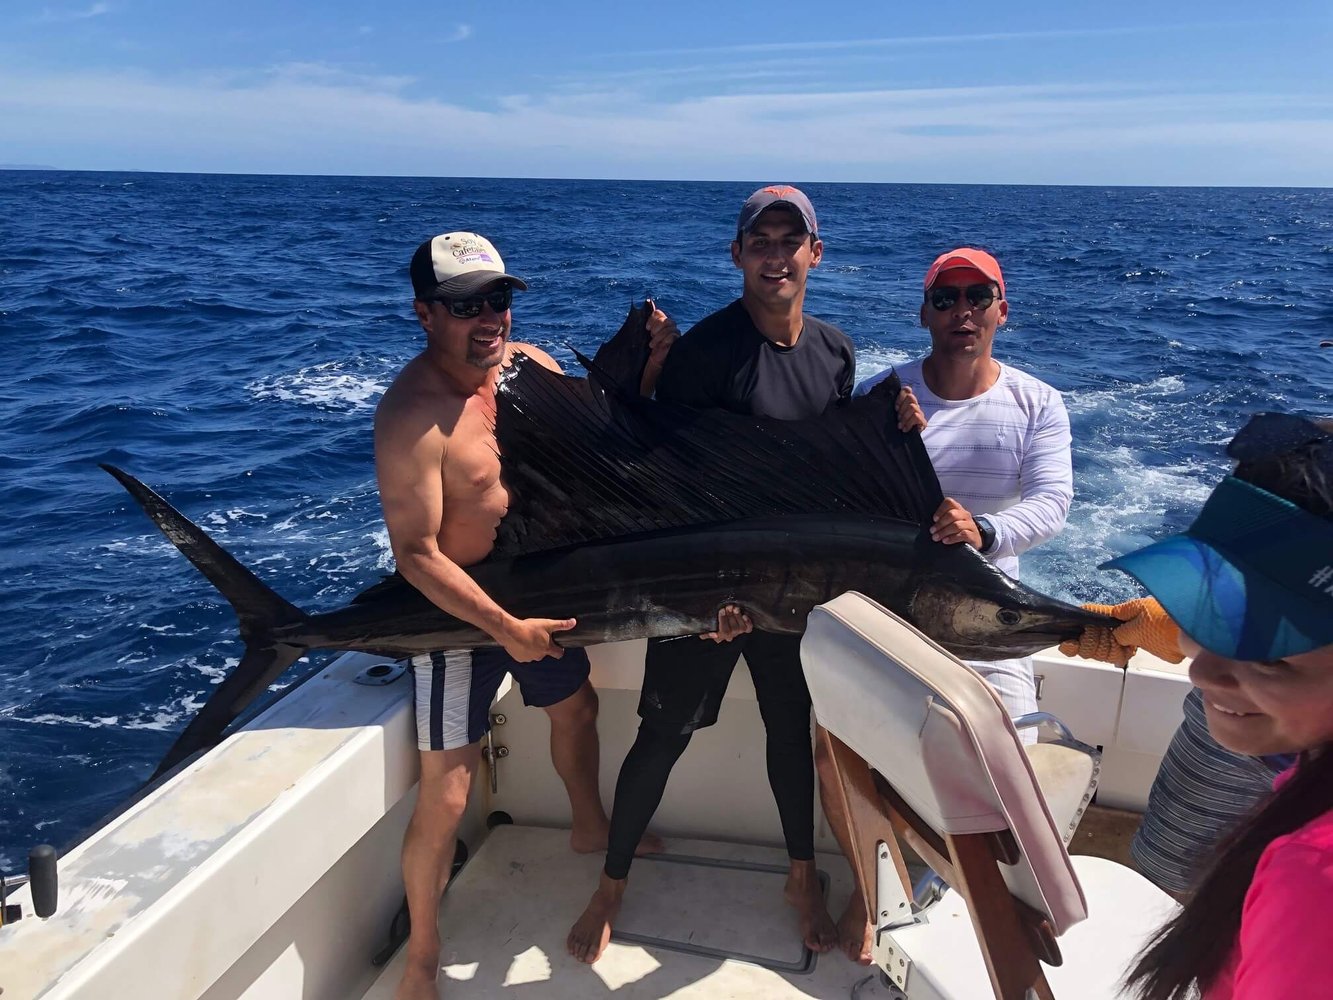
1250 584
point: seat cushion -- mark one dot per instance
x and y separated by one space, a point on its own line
1124 909
1067 778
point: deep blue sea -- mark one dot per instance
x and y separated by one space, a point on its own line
226 338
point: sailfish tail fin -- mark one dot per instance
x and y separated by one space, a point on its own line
259 611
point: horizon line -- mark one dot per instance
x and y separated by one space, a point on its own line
25 168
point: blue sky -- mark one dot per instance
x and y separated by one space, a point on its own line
1127 93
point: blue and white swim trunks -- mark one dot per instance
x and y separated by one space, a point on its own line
453 690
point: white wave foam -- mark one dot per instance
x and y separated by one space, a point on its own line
164 721
1139 399
160 723
215 674
237 515
327 386
170 715
171 628
1120 504
380 539
54 719
873 360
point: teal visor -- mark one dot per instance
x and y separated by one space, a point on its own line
1250 579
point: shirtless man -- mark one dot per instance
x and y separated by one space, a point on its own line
439 483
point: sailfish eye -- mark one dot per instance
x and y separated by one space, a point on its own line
1008 616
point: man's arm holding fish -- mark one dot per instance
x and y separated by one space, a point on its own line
732 622
412 460
686 367
662 334
910 415
953 523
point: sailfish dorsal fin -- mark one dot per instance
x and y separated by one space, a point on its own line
588 458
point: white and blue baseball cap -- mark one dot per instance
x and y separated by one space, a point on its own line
456 265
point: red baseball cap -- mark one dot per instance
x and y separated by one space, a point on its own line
966 257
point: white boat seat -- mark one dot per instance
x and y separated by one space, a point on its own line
953 780
948 961
1067 778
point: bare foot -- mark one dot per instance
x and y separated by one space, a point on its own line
418 982
591 933
594 840
649 843
803 894
855 935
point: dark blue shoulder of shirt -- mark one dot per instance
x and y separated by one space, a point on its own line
836 343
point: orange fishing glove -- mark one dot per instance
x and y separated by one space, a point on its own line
1147 626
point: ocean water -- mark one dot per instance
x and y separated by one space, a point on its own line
226 339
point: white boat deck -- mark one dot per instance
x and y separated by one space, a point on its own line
268 868
506 915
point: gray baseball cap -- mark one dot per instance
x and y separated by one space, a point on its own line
779 195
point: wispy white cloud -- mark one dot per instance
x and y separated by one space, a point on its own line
51 15
749 73
461 33
892 41
309 117
321 75
909 41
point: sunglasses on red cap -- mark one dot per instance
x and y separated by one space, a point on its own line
945 297
469 308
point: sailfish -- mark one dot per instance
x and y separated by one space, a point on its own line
641 518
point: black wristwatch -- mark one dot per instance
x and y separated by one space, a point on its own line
987 532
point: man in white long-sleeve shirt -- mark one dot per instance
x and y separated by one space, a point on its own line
999 439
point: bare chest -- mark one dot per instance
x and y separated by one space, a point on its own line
474 497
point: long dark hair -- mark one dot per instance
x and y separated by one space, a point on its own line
1194 946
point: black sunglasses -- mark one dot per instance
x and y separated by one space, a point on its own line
946 296
470 307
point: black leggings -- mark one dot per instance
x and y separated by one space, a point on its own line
684 680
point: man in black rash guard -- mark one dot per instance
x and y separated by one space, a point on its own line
763 356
